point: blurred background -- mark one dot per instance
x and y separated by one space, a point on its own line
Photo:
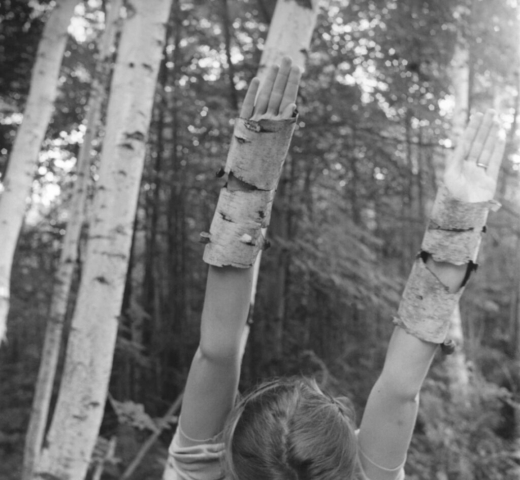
388 85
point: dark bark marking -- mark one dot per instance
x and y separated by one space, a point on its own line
137 135
241 140
204 238
47 476
225 217
102 280
304 4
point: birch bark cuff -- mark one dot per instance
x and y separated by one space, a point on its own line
453 235
256 157
455 229
426 305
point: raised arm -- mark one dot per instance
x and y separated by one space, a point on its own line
469 186
213 378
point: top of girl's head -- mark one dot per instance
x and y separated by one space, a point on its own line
288 429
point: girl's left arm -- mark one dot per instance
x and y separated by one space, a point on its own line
214 373
391 411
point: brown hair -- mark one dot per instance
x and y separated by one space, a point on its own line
288 429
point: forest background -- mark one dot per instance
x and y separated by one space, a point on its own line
377 108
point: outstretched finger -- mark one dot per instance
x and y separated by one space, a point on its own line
465 142
265 90
487 150
288 111
291 89
279 86
249 101
497 157
481 137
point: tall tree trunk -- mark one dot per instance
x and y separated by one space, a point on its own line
456 363
90 349
24 156
69 254
289 35
226 25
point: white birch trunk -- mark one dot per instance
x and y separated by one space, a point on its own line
456 363
516 295
24 156
79 411
290 34
69 253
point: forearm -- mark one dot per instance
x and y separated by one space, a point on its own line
213 378
392 406
225 310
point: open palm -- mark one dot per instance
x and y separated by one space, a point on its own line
471 174
277 95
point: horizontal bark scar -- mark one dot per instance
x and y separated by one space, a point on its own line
240 184
102 279
225 217
436 226
242 140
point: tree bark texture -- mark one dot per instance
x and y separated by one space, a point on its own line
69 253
24 156
74 429
289 35
456 363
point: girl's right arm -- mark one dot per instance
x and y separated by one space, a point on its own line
212 381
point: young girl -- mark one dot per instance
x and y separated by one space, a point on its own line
288 429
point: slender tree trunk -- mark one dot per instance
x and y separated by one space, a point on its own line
289 35
24 156
69 255
173 335
456 363
226 25
82 396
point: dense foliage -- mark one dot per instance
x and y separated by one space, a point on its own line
375 112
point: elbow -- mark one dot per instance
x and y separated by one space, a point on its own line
216 354
402 390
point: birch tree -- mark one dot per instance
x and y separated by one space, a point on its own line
24 155
289 35
79 411
460 76
69 253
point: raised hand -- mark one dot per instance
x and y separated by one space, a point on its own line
277 96
471 174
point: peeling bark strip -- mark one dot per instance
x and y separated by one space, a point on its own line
256 157
235 236
258 150
426 306
455 228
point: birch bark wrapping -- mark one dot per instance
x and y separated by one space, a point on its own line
453 235
256 157
455 229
